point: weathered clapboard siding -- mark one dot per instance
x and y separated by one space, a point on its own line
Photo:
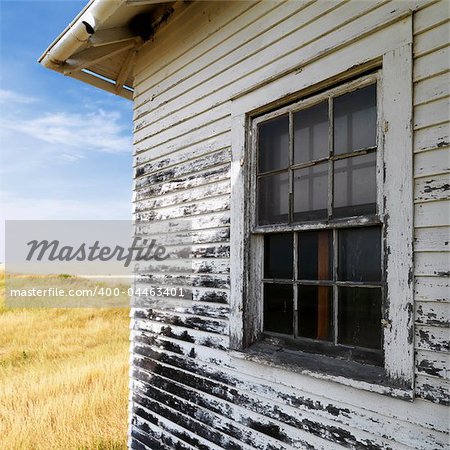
431 194
189 391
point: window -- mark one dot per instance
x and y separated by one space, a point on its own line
368 198
317 210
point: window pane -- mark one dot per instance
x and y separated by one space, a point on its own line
311 133
315 312
278 308
278 255
274 144
311 193
273 199
360 254
360 317
355 120
355 191
315 255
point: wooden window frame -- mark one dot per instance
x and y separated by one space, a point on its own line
392 56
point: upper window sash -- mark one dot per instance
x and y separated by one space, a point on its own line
303 104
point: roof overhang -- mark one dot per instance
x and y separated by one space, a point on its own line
99 47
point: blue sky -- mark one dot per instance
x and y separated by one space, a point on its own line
65 147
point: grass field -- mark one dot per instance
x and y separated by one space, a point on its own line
63 378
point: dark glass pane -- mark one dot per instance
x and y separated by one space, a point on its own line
355 120
273 199
359 317
355 187
315 312
278 255
273 145
360 254
278 308
311 193
311 133
315 255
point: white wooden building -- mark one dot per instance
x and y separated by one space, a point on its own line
308 141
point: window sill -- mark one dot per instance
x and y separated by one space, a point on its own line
349 373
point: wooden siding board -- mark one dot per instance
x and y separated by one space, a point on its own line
432 89
433 389
433 40
431 64
431 114
436 187
205 22
435 137
432 338
207 409
433 364
432 239
244 45
435 161
186 195
206 131
434 289
201 178
432 214
240 41
181 334
433 313
340 412
432 263
430 16
169 366
295 46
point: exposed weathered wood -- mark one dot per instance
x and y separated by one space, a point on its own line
181 334
434 389
174 367
432 338
435 187
184 196
154 160
215 174
182 306
433 313
398 210
433 364
208 206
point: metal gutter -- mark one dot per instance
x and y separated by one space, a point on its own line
78 32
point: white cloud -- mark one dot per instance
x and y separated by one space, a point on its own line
100 131
14 97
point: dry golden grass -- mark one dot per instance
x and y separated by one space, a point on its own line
63 378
